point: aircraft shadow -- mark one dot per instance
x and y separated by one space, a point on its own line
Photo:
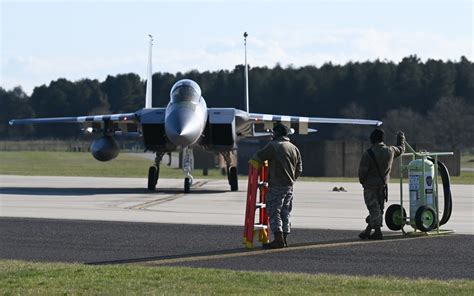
48 191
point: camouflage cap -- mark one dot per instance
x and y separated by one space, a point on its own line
282 130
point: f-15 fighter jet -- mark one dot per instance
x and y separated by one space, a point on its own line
185 123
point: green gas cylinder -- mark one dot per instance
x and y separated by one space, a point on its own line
420 175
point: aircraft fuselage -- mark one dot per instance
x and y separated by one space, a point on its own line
186 113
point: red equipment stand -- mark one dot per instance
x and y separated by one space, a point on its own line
257 182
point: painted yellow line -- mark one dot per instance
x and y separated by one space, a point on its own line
262 252
158 201
147 204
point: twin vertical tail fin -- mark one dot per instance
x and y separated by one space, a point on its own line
148 97
246 76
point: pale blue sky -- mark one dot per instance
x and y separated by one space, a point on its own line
43 41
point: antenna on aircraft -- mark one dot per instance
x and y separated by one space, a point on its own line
148 97
246 75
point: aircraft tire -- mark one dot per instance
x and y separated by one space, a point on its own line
153 173
187 185
233 179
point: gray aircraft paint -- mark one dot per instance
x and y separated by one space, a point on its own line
186 113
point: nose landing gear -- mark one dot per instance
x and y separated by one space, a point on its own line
188 165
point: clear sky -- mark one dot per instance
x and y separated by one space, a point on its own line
43 41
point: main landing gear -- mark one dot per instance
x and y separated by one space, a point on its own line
188 165
231 172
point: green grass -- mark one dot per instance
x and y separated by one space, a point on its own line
467 161
465 178
18 277
42 163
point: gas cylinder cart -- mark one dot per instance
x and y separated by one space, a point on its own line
423 203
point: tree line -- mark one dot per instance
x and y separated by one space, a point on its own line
432 101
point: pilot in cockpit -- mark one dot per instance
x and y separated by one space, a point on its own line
185 91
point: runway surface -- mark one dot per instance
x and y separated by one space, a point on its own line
210 202
312 251
81 219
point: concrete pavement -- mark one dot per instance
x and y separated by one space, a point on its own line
210 202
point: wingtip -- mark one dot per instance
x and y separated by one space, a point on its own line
10 122
379 123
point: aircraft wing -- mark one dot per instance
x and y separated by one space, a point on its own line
124 122
300 123
80 119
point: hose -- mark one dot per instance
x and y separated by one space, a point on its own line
448 200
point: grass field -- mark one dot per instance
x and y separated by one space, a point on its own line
40 163
467 161
19 278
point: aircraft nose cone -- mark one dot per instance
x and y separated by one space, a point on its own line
181 128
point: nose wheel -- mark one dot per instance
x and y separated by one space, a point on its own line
188 181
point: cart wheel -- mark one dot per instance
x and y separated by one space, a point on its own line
394 217
425 218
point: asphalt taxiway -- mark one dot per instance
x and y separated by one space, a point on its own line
312 251
77 219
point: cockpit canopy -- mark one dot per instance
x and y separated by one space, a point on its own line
185 90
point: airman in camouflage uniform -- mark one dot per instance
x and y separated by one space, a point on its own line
284 167
374 180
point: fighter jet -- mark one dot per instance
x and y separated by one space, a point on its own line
186 122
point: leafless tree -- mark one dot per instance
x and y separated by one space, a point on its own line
452 120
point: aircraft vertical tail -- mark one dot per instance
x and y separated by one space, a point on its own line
148 97
246 75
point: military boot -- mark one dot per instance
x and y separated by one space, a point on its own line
285 235
366 233
377 234
277 243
